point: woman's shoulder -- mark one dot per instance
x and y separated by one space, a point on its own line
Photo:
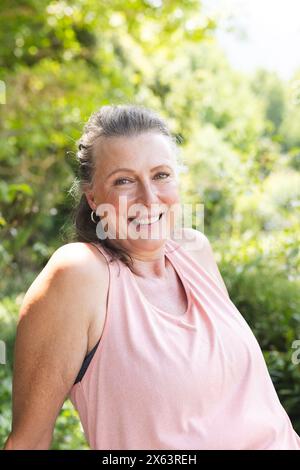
75 267
191 239
198 246
76 255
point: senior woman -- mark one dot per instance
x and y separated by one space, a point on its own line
139 330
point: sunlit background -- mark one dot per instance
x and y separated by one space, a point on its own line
226 77
259 33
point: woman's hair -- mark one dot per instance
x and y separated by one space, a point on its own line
109 121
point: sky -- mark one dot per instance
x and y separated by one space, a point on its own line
267 33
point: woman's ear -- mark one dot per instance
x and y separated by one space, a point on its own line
90 199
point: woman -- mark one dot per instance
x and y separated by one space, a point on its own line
139 331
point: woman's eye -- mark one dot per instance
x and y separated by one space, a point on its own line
117 182
165 174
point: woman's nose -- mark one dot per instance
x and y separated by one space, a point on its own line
148 194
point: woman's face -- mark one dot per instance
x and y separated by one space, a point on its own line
135 178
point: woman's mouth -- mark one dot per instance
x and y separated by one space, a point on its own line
141 222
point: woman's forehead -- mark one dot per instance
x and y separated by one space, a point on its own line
143 150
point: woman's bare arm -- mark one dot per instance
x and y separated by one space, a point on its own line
51 342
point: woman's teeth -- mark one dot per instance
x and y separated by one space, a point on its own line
146 221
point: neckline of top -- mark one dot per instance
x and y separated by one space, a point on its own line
177 318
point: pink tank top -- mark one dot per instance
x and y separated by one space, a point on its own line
196 381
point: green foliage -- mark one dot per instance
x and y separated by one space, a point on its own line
286 379
5 404
8 316
68 433
268 301
60 61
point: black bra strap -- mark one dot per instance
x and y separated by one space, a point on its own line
86 363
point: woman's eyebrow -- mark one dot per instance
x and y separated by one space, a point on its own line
133 171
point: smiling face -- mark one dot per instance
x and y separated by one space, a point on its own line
136 176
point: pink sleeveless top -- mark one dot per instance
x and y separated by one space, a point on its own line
196 381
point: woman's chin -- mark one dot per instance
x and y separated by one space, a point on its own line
142 245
